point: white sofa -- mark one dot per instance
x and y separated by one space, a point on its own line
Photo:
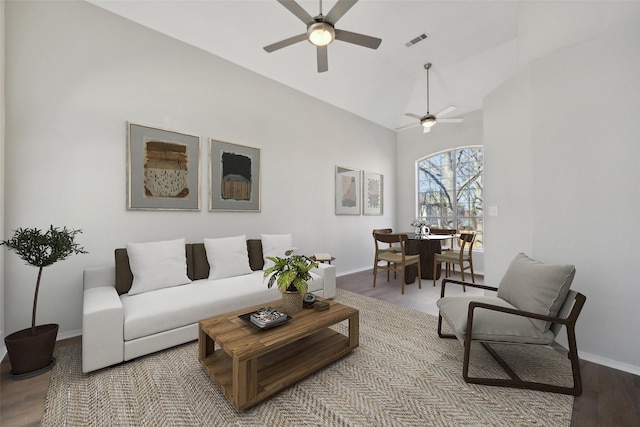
117 327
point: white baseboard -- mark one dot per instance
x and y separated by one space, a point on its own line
357 270
70 334
632 369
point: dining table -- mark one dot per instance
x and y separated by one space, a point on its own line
426 246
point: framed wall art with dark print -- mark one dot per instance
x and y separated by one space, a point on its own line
234 177
163 169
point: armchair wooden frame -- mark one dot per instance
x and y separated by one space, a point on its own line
567 317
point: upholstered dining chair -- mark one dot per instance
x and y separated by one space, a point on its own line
532 303
395 259
463 257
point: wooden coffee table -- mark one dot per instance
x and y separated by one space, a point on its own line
251 364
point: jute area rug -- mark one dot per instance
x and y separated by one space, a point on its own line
401 375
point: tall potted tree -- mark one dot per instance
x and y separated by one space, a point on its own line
31 350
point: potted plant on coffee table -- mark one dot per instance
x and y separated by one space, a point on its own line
31 350
291 273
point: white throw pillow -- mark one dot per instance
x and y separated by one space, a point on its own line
157 265
227 256
275 245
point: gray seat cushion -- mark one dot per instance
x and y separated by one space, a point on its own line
489 325
536 287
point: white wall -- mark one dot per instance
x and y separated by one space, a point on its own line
561 149
2 161
413 145
76 74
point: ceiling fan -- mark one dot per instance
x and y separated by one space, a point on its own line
428 120
321 30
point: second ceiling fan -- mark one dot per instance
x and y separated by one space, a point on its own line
428 120
321 30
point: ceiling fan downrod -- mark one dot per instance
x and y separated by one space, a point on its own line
427 66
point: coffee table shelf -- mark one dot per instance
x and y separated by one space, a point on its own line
250 365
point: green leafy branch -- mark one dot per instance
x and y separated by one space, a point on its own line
43 249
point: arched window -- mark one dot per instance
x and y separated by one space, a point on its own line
450 190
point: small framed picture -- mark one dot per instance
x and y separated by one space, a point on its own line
348 187
234 177
163 169
372 196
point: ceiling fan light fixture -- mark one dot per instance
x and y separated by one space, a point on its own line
320 33
428 121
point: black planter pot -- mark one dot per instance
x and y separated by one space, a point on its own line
31 354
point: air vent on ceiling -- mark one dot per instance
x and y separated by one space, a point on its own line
416 40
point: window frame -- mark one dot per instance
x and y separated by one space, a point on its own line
456 219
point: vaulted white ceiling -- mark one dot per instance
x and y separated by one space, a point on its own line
472 45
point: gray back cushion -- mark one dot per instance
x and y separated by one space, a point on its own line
536 287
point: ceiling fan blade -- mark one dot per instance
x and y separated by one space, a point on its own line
412 125
339 9
446 111
285 42
359 39
297 10
426 129
415 116
323 61
451 120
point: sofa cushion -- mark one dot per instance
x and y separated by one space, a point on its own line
124 276
489 325
170 308
256 258
157 265
275 245
533 286
227 257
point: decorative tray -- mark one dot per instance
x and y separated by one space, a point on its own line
247 319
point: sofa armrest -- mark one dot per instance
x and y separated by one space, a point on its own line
102 328
99 276
328 273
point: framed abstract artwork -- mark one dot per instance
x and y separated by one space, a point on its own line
234 177
348 187
163 169
372 199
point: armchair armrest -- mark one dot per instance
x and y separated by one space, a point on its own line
459 282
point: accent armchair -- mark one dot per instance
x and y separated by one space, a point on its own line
532 304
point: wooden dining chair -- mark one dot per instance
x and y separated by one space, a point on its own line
463 257
396 259
383 249
447 244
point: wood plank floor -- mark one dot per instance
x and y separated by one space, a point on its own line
610 397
